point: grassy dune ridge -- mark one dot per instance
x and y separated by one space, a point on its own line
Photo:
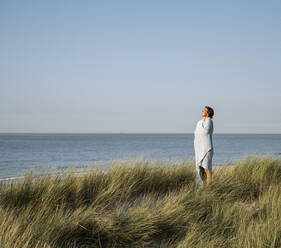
146 204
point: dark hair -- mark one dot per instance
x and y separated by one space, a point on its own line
210 111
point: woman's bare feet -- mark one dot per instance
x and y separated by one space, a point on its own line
208 176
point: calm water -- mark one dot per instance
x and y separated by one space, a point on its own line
21 152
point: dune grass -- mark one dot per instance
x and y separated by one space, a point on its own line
145 204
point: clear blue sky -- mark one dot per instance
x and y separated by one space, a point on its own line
139 66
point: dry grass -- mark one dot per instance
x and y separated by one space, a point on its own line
146 204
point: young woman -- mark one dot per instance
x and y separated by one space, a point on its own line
203 146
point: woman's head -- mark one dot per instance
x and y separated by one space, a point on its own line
207 112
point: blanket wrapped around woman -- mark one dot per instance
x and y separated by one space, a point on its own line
203 146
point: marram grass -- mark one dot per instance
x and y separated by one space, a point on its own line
145 204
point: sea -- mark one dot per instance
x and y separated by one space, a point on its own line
41 152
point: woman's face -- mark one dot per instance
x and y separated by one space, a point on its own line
204 113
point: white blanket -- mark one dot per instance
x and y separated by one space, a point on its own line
203 138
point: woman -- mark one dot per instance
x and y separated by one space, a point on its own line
203 146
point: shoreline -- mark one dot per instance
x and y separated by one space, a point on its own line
215 167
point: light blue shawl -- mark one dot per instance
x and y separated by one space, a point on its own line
203 138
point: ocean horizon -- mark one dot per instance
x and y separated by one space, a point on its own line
20 152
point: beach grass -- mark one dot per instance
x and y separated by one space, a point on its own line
145 204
